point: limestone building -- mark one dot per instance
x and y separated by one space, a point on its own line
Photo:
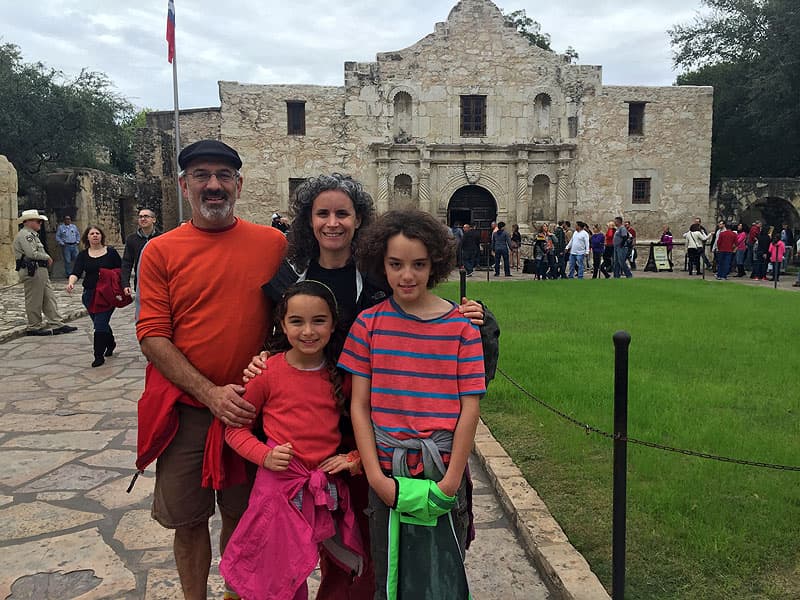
471 123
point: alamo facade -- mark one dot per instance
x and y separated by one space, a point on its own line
471 123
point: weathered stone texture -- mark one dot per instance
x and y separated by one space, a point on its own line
555 145
774 200
9 211
675 152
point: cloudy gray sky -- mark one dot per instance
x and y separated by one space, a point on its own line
307 41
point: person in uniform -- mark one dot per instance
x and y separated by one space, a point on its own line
68 236
32 265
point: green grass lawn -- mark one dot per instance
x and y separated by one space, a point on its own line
714 367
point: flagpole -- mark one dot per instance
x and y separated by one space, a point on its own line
177 134
172 57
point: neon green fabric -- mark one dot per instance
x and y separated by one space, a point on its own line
421 502
422 541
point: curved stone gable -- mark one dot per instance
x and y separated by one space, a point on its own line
474 99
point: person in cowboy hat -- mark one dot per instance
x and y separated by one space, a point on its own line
32 265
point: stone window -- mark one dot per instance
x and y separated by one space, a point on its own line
572 125
473 116
541 116
636 118
402 188
641 191
296 117
402 118
294 183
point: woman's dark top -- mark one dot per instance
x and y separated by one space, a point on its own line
89 268
342 282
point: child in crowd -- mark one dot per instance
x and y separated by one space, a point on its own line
297 503
418 374
777 249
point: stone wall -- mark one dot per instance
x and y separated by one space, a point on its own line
772 200
156 168
90 197
674 151
9 212
254 121
555 144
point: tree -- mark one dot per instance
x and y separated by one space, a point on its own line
532 31
49 121
748 50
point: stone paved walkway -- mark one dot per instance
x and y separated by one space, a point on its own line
69 530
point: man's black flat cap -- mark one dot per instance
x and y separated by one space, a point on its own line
209 149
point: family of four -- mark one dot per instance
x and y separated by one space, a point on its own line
348 445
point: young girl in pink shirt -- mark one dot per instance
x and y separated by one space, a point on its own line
297 503
776 251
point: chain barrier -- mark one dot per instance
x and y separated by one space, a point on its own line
591 429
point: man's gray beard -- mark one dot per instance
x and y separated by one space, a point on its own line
217 213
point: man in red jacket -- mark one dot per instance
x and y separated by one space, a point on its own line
726 246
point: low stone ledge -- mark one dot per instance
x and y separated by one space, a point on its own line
563 569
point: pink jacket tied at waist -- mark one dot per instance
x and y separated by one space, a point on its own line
275 546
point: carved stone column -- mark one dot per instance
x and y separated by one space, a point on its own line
522 193
562 193
425 188
382 201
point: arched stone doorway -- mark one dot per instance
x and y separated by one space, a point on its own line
473 204
773 212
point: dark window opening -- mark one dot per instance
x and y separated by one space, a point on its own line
572 124
296 117
641 191
473 116
636 118
294 183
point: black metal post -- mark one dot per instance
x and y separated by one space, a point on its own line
775 275
622 340
462 288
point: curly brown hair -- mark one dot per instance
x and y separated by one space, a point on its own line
303 246
415 225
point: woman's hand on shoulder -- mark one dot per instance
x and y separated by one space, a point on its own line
257 364
472 310
341 462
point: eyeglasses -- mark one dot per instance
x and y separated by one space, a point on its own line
222 176
146 217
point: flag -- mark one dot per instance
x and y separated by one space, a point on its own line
171 30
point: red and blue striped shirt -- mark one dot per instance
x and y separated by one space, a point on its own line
418 371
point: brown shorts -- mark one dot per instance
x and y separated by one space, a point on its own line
179 500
